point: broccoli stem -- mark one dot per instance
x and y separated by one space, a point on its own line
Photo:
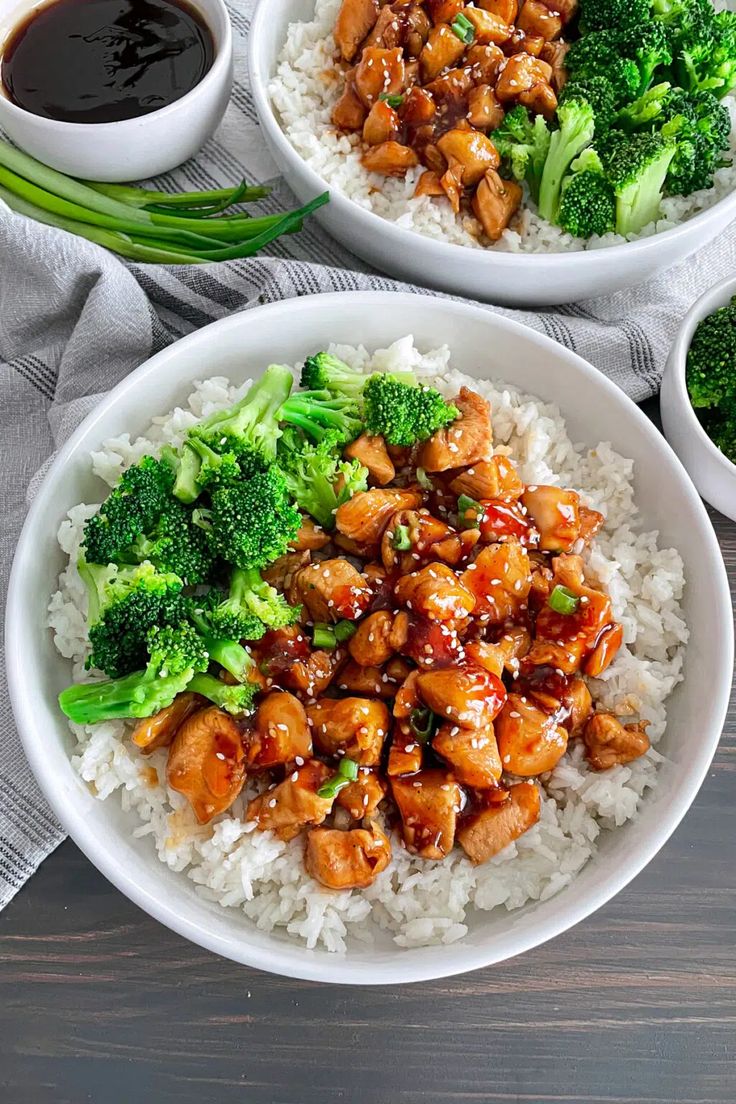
261 403
140 694
640 203
233 699
186 487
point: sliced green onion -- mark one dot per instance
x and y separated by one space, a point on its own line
343 630
392 101
347 772
467 505
401 540
463 28
323 636
423 724
423 479
562 600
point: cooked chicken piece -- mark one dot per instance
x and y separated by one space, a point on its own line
609 743
491 657
312 676
347 860
442 50
355 727
429 184
418 108
537 19
280 732
486 832
605 649
371 452
418 26
579 703
332 589
159 730
310 536
530 740
541 98
507 10
450 92
567 9
554 53
499 579
505 519
495 203
436 593
366 680
465 441
515 643
389 159
207 763
563 639
382 125
523 43
555 513
364 517
362 797
471 754
433 644
423 533
282 572
388 30
371 646
349 113
379 72
489 479
473 150
486 62
452 184
467 696
354 21
488 27
407 698
428 803
443 11
567 697
484 110
287 808
590 523
405 755
521 73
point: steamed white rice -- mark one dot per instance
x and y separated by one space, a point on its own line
308 82
418 901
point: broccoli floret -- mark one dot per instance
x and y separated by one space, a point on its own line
711 358
252 522
636 167
223 649
587 205
647 110
720 425
175 654
313 472
225 619
199 466
707 59
319 413
123 604
131 508
233 699
599 54
577 122
176 544
598 15
523 142
599 93
245 434
404 415
252 596
649 46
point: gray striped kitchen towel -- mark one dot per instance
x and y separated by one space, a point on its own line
74 321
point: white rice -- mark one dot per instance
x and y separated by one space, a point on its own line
307 83
419 902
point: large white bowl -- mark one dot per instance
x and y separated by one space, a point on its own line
710 470
483 345
511 278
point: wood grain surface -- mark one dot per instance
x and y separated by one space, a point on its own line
636 1005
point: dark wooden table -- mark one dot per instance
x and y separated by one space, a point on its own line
636 1005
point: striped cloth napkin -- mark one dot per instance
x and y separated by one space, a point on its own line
74 320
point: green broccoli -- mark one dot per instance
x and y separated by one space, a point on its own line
233 699
313 472
225 619
599 54
175 654
711 358
200 466
598 15
587 204
251 523
523 143
132 508
707 59
175 544
252 596
223 649
599 93
319 413
124 603
636 166
720 425
404 415
577 123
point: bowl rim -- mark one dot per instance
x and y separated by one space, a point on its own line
704 305
217 72
406 967
434 249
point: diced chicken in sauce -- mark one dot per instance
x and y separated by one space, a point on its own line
207 762
488 830
355 727
609 743
347 860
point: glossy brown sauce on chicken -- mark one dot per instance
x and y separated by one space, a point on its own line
468 631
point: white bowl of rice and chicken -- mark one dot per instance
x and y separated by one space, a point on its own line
459 139
465 703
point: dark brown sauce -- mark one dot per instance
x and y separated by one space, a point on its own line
100 61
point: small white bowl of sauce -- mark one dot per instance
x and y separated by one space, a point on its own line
113 90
